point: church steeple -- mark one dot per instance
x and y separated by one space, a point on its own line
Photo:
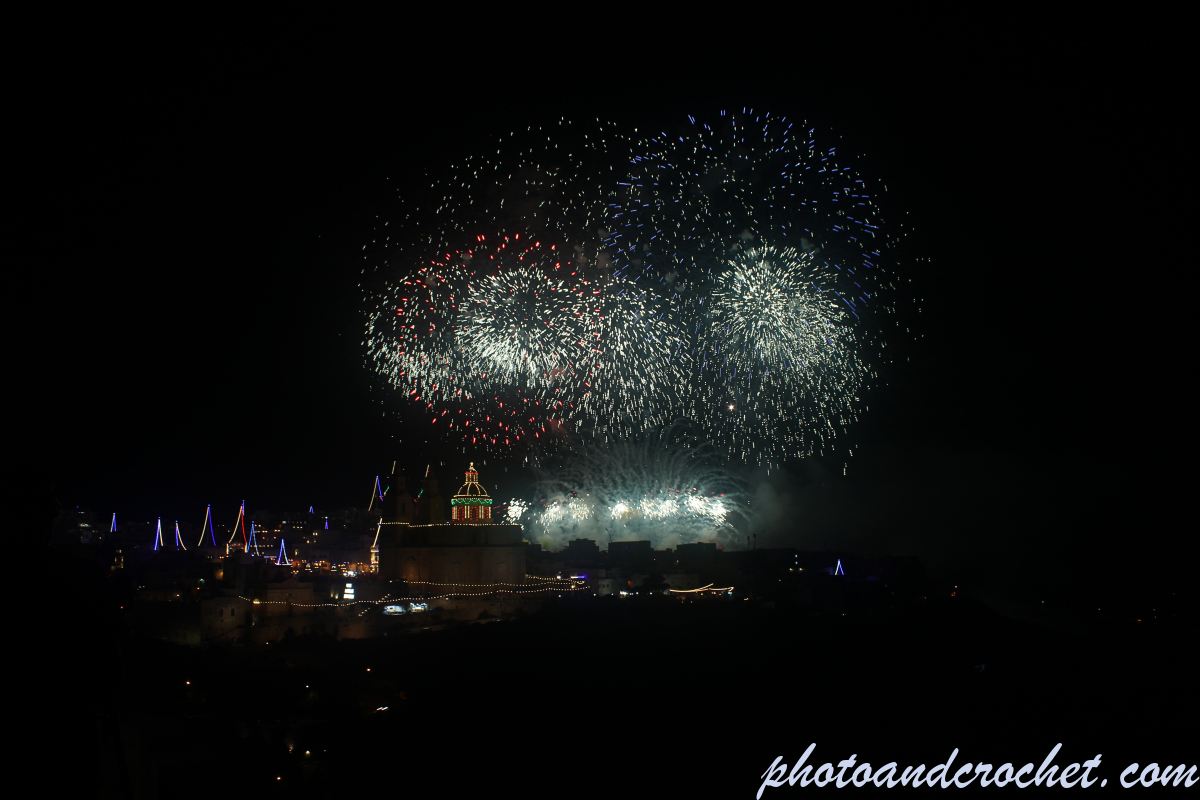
399 505
430 510
472 503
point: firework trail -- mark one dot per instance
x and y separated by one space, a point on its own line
639 361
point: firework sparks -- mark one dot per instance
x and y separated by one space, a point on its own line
665 491
514 511
730 275
781 367
523 328
769 250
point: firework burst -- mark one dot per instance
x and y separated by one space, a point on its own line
770 252
469 340
640 364
770 311
435 268
780 357
411 338
522 328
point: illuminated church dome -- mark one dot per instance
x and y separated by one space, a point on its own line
472 503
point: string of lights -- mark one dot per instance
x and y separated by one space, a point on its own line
554 586
708 588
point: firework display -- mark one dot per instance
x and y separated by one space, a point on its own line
780 356
420 352
771 251
640 361
504 342
519 328
691 201
663 491
474 342
581 286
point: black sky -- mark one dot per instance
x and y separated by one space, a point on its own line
208 198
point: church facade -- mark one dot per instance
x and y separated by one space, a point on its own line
466 554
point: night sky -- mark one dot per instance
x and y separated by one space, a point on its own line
209 202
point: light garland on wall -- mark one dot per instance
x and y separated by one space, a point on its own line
551 586
480 585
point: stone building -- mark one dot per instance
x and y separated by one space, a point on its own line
224 618
469 553
289 597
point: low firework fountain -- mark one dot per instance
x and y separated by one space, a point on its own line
669 491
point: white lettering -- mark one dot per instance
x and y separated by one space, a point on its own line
769 775
799 774
1087 767
843 766
965 768
1048 777
944 768
891 771
945 775
1179 775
